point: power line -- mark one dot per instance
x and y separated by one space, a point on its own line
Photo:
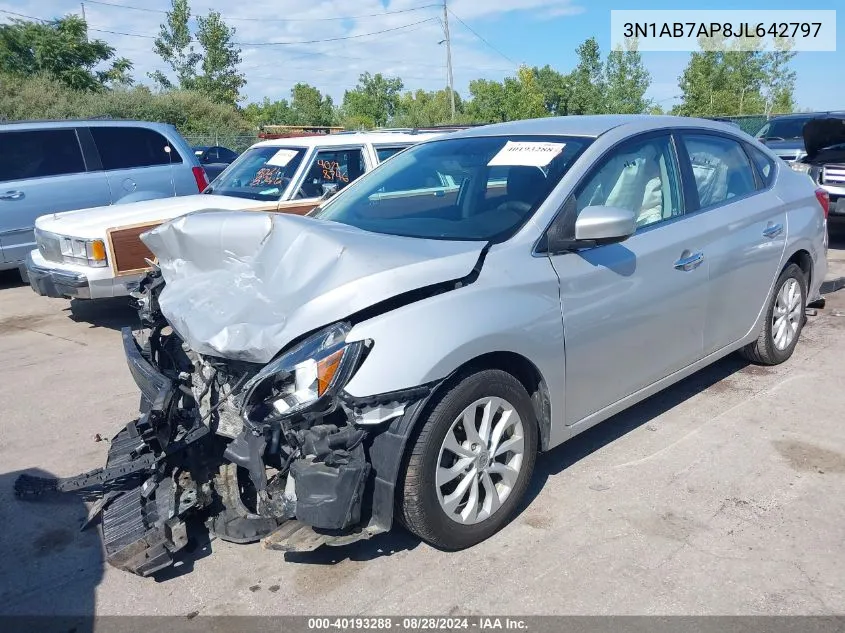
232 18
295 43
481 38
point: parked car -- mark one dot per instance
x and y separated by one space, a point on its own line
824 140
214 159
56 166
784 134
405 351
95 253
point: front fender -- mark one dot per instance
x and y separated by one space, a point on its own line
514 308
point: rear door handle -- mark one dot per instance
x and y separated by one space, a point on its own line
12 195
690 262
773 230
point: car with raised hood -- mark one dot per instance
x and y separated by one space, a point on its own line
96 252
824 139
784 134
58 166
405 352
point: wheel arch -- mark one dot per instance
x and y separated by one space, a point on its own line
804 261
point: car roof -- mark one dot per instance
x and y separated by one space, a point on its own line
590 126
808 115
349 138
62 123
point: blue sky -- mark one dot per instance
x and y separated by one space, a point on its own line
535 32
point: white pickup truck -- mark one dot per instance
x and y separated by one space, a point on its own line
96 253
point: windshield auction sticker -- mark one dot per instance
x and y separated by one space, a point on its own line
526 154
737 30
281 158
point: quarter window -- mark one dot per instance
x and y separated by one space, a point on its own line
640 176
721 168
384 153
765 165
337 167
131 147
40 153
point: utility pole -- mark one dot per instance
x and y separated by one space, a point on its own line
449 79
84 20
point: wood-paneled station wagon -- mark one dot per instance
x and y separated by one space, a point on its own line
96 253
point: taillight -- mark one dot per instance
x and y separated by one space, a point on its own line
201 178
824 199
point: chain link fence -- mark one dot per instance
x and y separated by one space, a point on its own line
747 123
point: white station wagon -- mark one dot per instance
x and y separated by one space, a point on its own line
96 253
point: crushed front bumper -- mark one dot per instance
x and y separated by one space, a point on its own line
56 283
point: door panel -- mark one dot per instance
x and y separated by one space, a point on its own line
41 172
630 317
748 239
633 312
136 161
746 235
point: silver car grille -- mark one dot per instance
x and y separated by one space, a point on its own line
48 246
833 175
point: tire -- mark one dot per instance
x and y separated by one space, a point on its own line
421 501
766 350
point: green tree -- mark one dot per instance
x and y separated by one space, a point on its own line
173 45
310 107
61 48
779 81
703 85
373 102
627 81
220 78
269 113
587 80
425 108
523 96
488 103
556 89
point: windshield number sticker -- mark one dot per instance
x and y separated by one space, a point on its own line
281 158
526 154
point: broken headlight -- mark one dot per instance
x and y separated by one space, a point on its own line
305 377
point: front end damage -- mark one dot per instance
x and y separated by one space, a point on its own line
275 452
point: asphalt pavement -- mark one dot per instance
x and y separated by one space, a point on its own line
721 495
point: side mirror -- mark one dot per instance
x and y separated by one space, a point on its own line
595 226
605 225
329 189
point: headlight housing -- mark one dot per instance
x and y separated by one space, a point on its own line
305 378
71 249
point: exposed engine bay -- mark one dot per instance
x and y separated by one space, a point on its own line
253 451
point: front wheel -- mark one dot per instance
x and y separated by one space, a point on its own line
784 320
471 463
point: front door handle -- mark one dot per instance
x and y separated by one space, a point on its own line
690 262
773 230
12 195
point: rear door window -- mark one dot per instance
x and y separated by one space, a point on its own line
721 168
132 147
335 167
39 153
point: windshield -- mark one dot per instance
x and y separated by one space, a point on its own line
260 173
783 129
478 188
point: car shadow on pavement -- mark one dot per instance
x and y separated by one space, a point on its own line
49 567
114 313
396 540
572 451
11 279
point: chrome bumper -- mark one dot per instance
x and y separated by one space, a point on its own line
52 282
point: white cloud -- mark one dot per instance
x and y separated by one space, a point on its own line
412 53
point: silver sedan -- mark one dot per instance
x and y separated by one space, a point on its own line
410 347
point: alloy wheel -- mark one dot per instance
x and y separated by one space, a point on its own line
787 314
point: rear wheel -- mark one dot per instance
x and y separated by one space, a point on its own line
471 462
784 320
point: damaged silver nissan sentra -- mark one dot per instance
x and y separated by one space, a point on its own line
405 351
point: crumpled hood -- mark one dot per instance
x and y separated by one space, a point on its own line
822 133
244 285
